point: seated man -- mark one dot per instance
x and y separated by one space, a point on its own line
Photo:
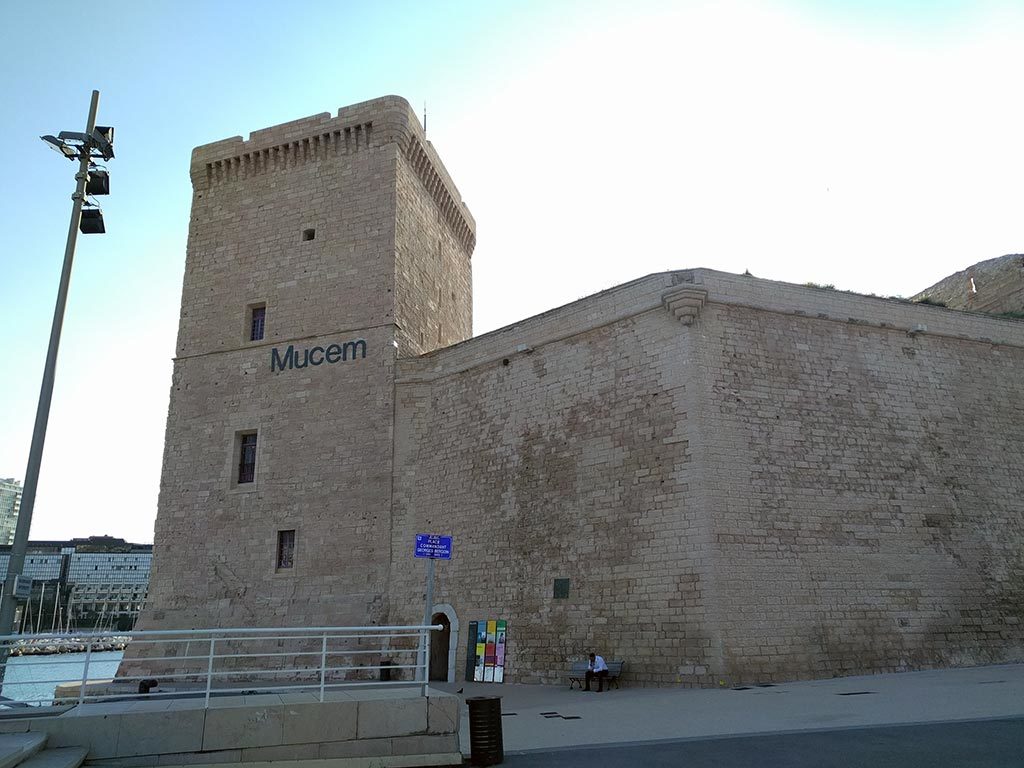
596 668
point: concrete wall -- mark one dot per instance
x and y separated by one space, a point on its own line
394 727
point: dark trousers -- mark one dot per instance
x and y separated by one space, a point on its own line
600 679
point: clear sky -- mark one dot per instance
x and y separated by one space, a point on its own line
872 145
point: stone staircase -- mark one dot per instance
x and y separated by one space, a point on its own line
28 750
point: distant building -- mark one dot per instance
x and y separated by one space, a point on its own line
83 584
10 503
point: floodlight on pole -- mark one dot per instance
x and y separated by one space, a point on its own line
59 146
98 183
93 144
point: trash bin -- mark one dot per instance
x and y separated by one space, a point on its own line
385 670
485 745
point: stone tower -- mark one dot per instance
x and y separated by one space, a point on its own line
319 252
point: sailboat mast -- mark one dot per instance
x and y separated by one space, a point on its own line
56 610
39 618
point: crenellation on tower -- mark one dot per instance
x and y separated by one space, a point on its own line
454 211
378 122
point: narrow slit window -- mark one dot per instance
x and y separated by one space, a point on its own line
308 234
285 549
257 324
247 459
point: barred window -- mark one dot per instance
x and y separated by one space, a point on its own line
256 327
247 459
285 549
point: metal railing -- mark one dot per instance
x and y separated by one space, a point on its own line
204 663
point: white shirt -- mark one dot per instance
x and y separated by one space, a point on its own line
598 665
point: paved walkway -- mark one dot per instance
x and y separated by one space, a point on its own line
963 744
550 717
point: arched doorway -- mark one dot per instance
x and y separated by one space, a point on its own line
440 642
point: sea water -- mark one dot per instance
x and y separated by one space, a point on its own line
33 679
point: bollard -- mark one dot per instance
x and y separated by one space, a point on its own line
485 742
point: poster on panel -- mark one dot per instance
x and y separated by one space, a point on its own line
485 654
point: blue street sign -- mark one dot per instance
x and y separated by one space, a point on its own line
433 546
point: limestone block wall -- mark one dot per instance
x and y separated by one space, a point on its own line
571 459
434 241
252 202
740 479
866 493
350 232
323 470
798 483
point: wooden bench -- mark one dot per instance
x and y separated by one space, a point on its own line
578 673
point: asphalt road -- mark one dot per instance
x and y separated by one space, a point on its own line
972 744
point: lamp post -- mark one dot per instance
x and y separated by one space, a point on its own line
95 144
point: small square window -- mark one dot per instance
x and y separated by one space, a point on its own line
285 549
247 459
308 234
561 589
257 323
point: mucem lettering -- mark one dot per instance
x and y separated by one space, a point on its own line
332 353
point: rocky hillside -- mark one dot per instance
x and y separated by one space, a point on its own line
995 286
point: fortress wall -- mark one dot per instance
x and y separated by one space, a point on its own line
742 479
867 495
571 461
851 496
246 245
434 283
324 430
854 308
322 470
649 292
393 238
604 308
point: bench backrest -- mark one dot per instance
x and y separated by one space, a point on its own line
614 667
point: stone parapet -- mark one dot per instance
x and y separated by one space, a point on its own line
683 293
858 309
